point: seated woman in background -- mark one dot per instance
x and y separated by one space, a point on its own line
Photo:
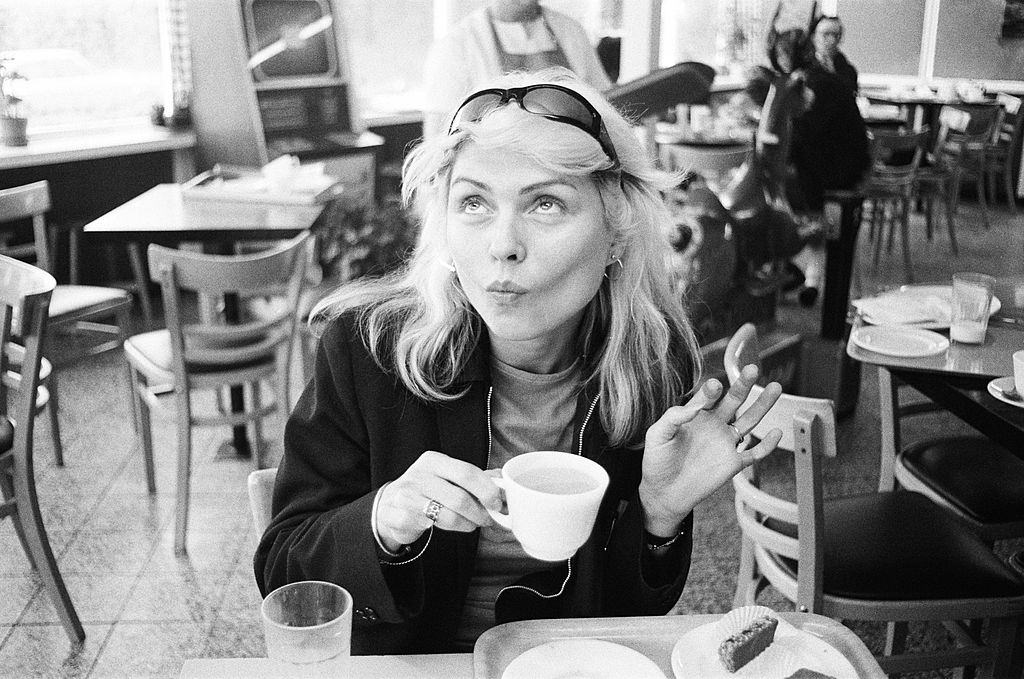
535 314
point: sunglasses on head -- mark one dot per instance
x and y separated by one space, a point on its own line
553 102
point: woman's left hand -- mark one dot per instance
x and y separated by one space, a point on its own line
693 449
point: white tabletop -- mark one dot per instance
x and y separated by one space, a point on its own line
441 666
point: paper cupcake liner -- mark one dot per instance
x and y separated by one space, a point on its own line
739 618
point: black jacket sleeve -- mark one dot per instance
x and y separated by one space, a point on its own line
324 490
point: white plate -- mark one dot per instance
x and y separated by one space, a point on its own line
910 295
899 340
696 655
578 658
998 385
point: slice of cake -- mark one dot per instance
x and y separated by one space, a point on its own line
748 643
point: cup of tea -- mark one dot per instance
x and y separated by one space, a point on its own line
972 299
552 499
308 622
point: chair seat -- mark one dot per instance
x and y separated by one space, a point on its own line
979 478
6 435
902 546
150 352
68 299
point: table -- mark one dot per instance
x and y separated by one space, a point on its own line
162 215
956 379
925 108
654 636
703 154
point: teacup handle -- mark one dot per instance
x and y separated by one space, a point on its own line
503 520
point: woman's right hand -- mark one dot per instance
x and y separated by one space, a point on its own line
463 490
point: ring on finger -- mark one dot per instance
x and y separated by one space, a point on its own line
735 429
432 509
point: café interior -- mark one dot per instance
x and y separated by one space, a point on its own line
279 126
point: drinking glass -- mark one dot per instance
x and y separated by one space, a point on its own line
308 622
972 298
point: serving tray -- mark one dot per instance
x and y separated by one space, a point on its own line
653 636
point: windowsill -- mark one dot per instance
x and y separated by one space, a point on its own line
54 146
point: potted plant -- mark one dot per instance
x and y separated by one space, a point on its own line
13 124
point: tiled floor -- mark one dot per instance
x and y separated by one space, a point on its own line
145 611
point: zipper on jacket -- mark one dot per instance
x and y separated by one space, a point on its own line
568 562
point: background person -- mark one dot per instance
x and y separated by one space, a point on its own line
505 36
826 36
535 313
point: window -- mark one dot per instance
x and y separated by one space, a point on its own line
389 40
86 62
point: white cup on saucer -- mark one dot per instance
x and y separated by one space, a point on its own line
552 499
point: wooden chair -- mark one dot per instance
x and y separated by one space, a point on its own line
25 292
958 153
892 557
977 480
211 354
999 153
261 496
889 188
74 309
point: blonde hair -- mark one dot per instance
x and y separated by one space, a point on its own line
637 341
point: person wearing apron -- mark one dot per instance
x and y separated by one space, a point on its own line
506 36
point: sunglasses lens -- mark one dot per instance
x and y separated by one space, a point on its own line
548 101
476 108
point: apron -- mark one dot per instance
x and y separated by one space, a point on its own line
529 62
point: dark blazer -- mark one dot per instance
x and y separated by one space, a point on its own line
355 428
830 140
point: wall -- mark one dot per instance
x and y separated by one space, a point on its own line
883 36
968 43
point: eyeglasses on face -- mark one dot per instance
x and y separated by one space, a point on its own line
553 102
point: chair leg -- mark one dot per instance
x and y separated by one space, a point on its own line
7 492
1011 199
184 421
896 637
901 217
888 402
73 262
257 425
143 427
137 262
39 546
982 201
54 408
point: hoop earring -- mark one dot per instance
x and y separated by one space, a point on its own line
616 275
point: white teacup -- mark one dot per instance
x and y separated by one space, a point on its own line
552 499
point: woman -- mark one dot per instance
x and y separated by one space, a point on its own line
826 35
535 313
501 37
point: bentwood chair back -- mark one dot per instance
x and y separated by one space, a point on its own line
25 292
209 353
999 153
888 189
892 557
100 314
